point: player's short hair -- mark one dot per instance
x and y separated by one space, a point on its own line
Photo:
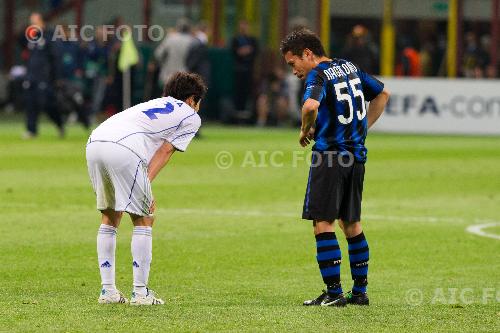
299 40
183 85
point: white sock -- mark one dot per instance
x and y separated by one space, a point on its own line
142 244
106 245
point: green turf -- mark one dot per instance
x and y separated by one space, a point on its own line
230 250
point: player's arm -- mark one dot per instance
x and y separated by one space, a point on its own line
313 95
376 94
160 159
309 114
377 106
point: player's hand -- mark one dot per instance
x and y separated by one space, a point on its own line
304 139
152 208
311 133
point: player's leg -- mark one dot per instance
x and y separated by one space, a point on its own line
100 159
32 110
106 248
321 205
51 108
262 109
111 218
282 110
141 247
142 254
329 258
350 229
359 256
131 192
357 245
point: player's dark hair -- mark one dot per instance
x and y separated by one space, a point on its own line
299 40
183 85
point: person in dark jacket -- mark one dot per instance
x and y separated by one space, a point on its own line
197 60
96 70
42 73
244 48
360 50
69 93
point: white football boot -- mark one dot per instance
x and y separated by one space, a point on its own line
148 299
111 297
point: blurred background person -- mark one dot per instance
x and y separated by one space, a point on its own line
95 72
197 60
172 52
272 101
113 96
408 60
491 71
71 85
484 60
360 49
475 57
42 73
244 48
427 58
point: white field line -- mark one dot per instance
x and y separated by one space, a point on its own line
259 213
477 229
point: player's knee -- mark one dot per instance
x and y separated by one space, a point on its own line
111 217
323 226
142 221
351 229
151 220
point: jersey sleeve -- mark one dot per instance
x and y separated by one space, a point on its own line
314 86
182 137
371 86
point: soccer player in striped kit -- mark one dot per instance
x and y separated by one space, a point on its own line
124 155
334 115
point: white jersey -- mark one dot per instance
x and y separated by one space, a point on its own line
143 128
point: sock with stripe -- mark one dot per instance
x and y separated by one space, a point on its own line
106 246
329 259
358 256
142 244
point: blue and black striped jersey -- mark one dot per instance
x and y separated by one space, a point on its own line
342 89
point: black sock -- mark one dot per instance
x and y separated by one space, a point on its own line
329 259
358 257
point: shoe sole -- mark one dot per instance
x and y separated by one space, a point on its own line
147 304
335 303
363 301
107 302
122 300
304 304
359 304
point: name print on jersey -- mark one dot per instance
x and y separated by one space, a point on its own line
336 72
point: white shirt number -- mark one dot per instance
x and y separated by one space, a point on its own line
343 95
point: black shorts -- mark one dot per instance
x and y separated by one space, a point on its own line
334 189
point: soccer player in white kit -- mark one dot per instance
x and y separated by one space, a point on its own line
124 155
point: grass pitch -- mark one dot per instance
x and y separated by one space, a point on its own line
230 252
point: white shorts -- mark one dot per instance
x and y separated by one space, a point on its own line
119 178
